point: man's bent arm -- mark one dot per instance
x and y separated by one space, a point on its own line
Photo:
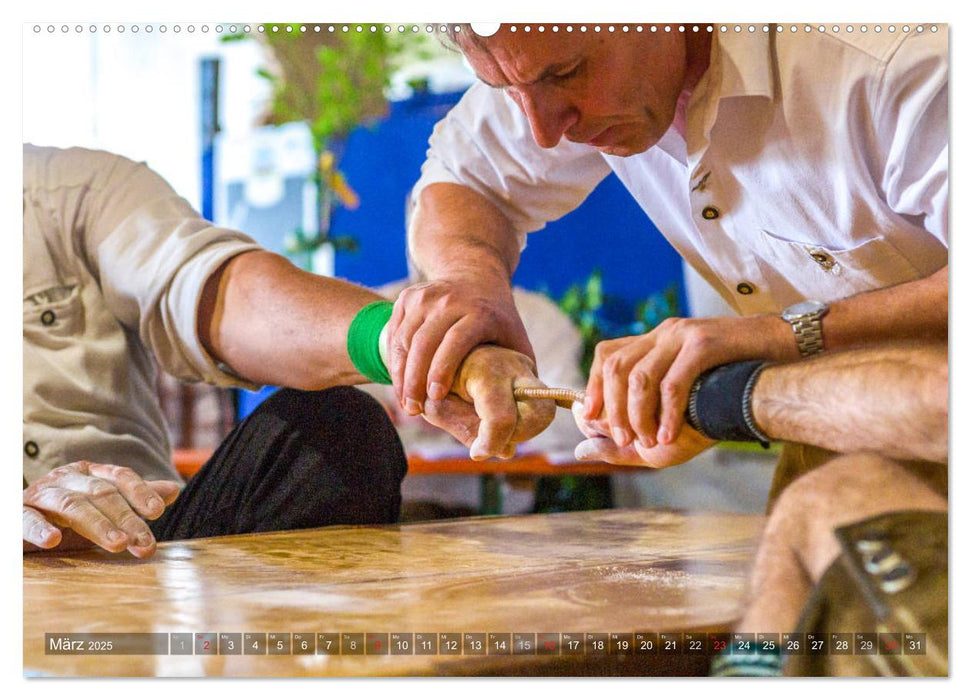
911 311
660 368
890 400
273 323
466 249
458 233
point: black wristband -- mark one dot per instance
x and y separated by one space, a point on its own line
719 406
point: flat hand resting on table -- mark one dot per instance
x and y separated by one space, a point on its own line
82 502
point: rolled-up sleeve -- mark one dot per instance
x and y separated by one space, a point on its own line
485 143
152 254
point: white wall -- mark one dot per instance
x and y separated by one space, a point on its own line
136 94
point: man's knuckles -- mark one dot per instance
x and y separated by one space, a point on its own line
65 504
100 489
672 390
66 471
114 473
642 379
502 421
700 342
615 368
672 325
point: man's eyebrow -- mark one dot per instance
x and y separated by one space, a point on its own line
547 72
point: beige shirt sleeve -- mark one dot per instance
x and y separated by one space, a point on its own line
114 265
151 253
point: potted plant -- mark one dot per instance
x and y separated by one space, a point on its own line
333 82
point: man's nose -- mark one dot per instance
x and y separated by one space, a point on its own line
549 115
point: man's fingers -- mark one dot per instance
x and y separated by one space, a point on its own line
38 531
486 379
644 392
496 407
675 388
168 491
594 449
593 402
688 446
535 415
397 347
434 326
605 450
457 342
399 350
616 370
424 346
414 314
143 499
96 503
73 509
103 506
589 428
481 325
605 358
454 416
117 509
642 401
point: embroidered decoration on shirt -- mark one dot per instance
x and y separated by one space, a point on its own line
702 183
822 258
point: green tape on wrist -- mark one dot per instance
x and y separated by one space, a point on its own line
363 337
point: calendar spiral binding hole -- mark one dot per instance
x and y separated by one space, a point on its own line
615 29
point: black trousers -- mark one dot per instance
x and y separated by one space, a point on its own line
301 459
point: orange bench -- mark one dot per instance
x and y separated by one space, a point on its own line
190 460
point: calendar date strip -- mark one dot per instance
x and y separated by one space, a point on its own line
482 643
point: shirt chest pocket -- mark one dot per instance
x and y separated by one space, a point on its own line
825 272
53 306
52 313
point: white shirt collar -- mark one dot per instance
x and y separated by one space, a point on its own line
743 63
740 66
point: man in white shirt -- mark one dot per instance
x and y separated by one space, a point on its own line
785 167
120 274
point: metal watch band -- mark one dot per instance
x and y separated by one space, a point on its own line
809 335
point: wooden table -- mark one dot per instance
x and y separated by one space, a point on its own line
614 572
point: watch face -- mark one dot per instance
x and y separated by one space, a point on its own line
804 308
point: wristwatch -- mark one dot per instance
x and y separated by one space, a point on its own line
806 319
